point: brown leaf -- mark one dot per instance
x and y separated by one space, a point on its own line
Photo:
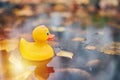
26 11
57 29
111 49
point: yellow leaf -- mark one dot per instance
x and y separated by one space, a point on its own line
9 44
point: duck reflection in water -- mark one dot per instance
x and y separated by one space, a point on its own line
38 53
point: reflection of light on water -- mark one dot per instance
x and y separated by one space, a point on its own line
22 71
16 63
23 76
26 74
18 67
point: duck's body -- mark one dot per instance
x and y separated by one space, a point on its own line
35 52
38 53
38 50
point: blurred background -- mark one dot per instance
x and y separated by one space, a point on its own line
57 13
90 29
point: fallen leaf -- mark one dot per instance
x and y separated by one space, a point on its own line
111 49
9 44
78 39
26 11
57 29
82 1
89 47
65 54
61 29
59 7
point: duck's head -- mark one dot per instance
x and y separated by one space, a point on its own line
41 34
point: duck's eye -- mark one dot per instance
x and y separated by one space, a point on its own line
47 33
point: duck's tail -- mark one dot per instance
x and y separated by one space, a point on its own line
23 42
22 45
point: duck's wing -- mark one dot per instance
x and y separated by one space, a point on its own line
23 43
30 51
24 46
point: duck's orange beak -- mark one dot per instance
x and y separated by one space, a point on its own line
51 37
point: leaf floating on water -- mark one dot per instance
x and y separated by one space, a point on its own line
26 11
57 29
61 29
78 39
111 52
65 54
89 47
111 49
9 44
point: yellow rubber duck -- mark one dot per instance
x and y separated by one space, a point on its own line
39 52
